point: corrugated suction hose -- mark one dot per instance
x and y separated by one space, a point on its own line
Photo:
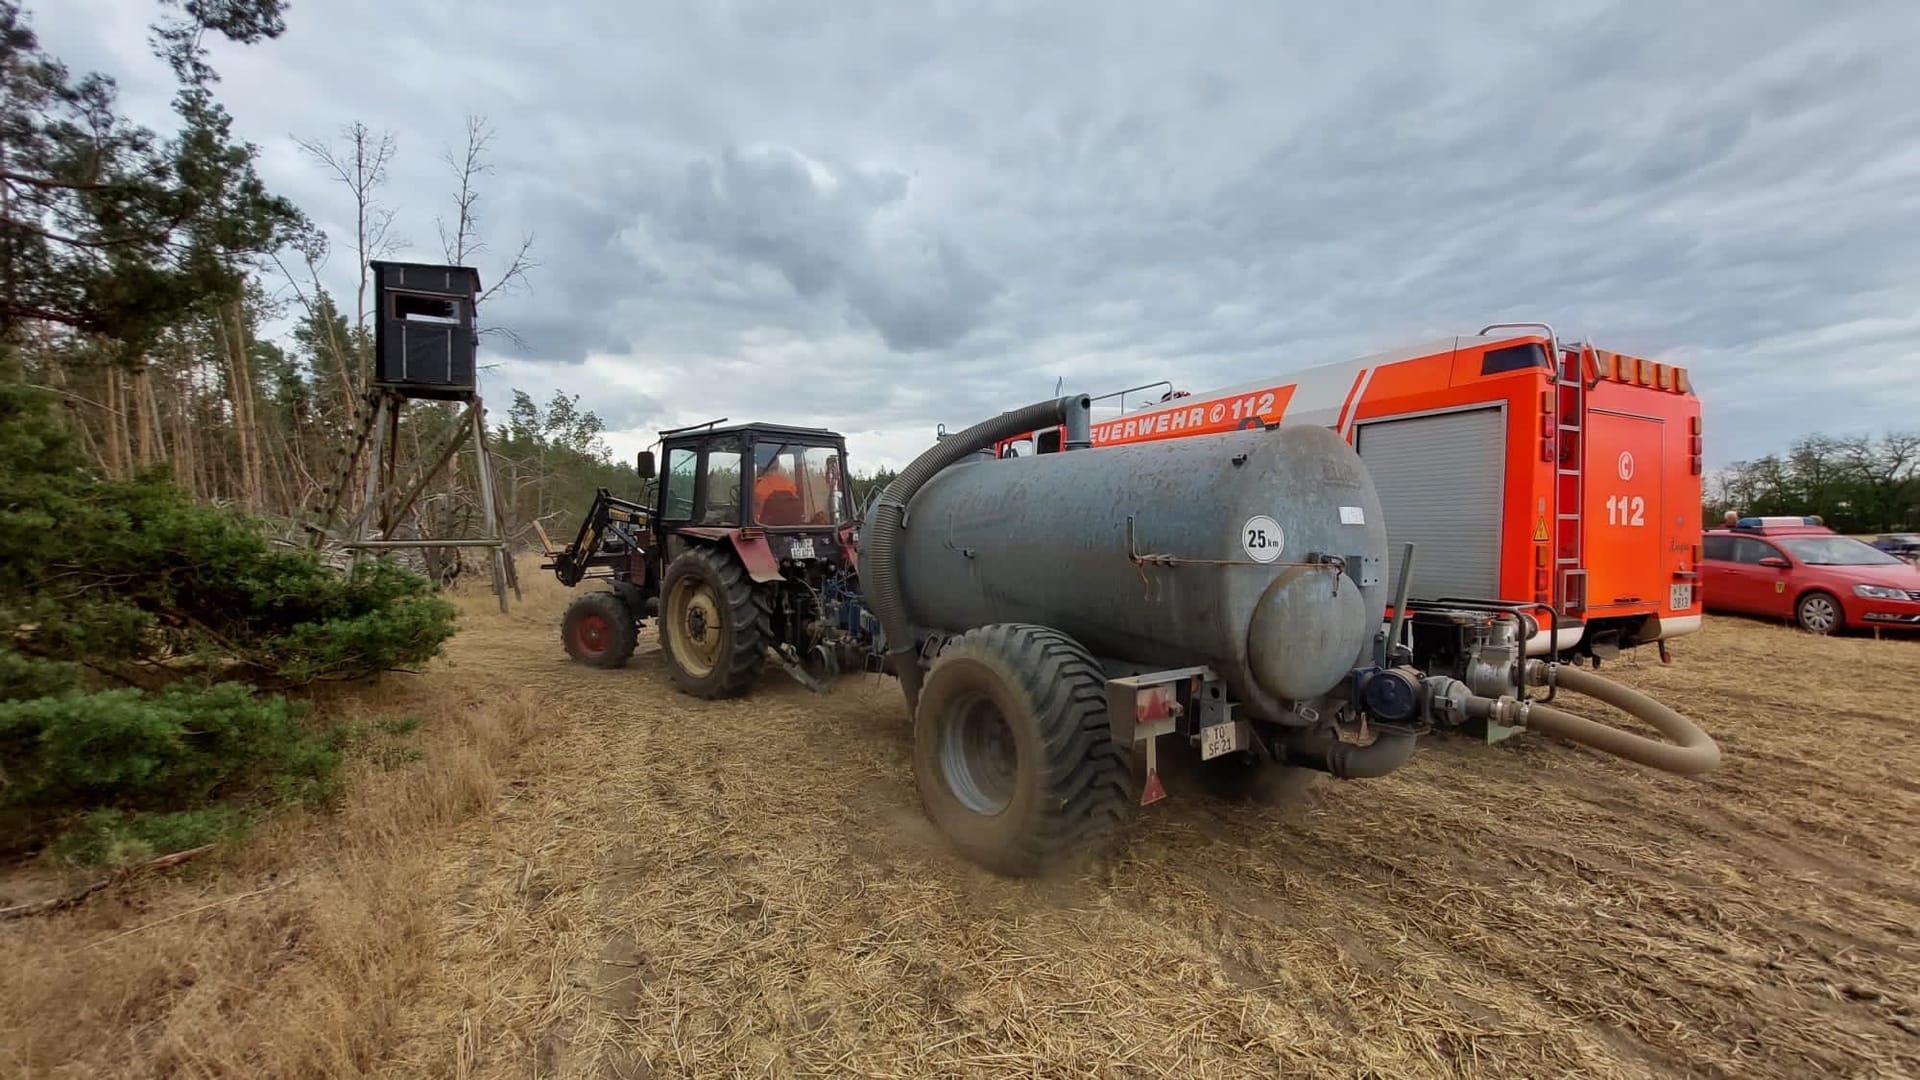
1691 752
881 582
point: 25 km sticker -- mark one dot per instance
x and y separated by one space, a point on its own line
1262 539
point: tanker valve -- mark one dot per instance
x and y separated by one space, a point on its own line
1391 696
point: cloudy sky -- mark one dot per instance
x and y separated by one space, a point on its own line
882 216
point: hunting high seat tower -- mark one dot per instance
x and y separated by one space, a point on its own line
425 344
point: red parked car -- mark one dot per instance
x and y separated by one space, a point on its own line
1790 568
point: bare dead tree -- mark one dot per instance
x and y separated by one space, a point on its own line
312 249
467 167
462 240
361 165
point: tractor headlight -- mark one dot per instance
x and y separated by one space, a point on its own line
1879 592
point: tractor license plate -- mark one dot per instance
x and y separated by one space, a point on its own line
802 548
1682 598
1217 739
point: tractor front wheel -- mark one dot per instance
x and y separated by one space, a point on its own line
1012 754
599 630
714 625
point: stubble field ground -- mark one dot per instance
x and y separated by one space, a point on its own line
587 874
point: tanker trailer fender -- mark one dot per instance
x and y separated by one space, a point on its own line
753 551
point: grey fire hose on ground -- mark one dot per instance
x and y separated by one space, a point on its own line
1691 751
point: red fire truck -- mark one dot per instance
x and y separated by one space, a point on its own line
1527 471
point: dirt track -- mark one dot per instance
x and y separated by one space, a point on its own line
681 888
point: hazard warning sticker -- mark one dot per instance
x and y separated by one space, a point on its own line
1540 531
1262 539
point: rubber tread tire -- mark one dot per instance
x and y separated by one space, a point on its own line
1839 613
1074 790
625 630
748 612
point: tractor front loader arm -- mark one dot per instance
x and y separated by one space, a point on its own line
608 514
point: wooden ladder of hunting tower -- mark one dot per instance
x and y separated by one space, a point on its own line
424 350
372 470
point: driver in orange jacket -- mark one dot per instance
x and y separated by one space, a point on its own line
772 480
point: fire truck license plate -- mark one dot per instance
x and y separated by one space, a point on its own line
803 549
1682 598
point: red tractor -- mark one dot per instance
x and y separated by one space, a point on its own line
746 556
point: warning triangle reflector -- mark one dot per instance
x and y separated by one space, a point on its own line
1153 792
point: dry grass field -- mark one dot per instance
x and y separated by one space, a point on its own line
589 875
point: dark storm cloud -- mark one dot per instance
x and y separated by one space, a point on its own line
882 217
820 228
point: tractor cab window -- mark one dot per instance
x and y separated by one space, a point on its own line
682 471
794 484
722 476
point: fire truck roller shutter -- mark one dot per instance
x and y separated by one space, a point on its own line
1441 484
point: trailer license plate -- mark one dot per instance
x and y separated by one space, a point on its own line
803 549
1217 739
1682 598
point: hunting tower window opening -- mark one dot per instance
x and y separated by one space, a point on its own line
431 309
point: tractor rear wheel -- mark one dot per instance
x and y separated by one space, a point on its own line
1012 754
714 624
599 630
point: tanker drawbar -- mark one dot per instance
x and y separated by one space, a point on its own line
1051 617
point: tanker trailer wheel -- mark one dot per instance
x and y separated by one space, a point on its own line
599 630
1011 751
714 624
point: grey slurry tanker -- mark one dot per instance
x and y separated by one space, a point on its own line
1051 617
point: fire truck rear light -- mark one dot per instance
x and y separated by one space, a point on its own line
1643 372
1696 464
1693 445
1546 402
1546 448
1682 384
1693 424
1540 555
1540 581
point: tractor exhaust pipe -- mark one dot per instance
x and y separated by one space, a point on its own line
881 575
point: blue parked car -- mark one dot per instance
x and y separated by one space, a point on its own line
1903 545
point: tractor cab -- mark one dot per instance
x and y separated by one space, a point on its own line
788 481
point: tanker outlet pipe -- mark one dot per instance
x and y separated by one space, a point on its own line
1321 749
1691 751
882 587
